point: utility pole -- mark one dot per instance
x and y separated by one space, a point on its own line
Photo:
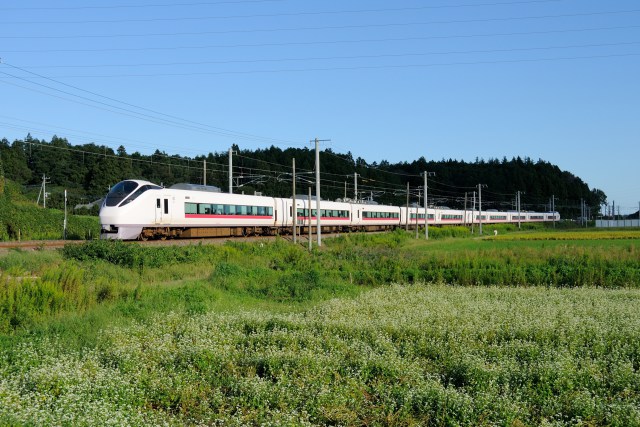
418 211
426 195
480 205
473 212
43 191
408 215
553 209
309 215
518 207
295 209
464 221
355 186
64 232
426 215
204 174
318 211
614 210
230 171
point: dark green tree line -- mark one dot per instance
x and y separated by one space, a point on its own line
89 170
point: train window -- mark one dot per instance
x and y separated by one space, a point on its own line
190 208
119 192
241 210
166 206
138 192
229 209
157 203
261 210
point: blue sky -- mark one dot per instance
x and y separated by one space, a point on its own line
387 80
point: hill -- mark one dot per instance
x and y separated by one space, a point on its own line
89 170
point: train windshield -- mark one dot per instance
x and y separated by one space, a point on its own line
138 192
119 192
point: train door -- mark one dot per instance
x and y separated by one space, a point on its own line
163 209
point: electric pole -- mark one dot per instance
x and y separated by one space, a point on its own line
426 215
318 211
518 193
418 211
355 186
473 212
407 226
295 209
204 174
230 170
518 207
480 205
426 195
43 191
464 221
309 215
64 232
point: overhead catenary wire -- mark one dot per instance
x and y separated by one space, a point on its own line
315 28
90 137
210 3
328 12
154 116
376 56
361 67
315 42
131 6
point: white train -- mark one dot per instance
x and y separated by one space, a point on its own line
136 209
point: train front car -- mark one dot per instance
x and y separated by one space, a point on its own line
120 215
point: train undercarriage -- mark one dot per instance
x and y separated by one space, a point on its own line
163 233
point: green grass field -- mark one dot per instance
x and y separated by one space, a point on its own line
370 330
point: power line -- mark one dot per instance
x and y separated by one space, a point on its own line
329 12
131 6
175 121
83 135
317 42
361 67
298 29
324 58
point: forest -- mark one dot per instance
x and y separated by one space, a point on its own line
87 172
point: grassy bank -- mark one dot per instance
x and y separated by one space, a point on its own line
83 277
24 220
107 333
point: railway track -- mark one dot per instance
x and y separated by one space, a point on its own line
35 245
41 245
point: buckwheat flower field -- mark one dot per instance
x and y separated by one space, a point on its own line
402 355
